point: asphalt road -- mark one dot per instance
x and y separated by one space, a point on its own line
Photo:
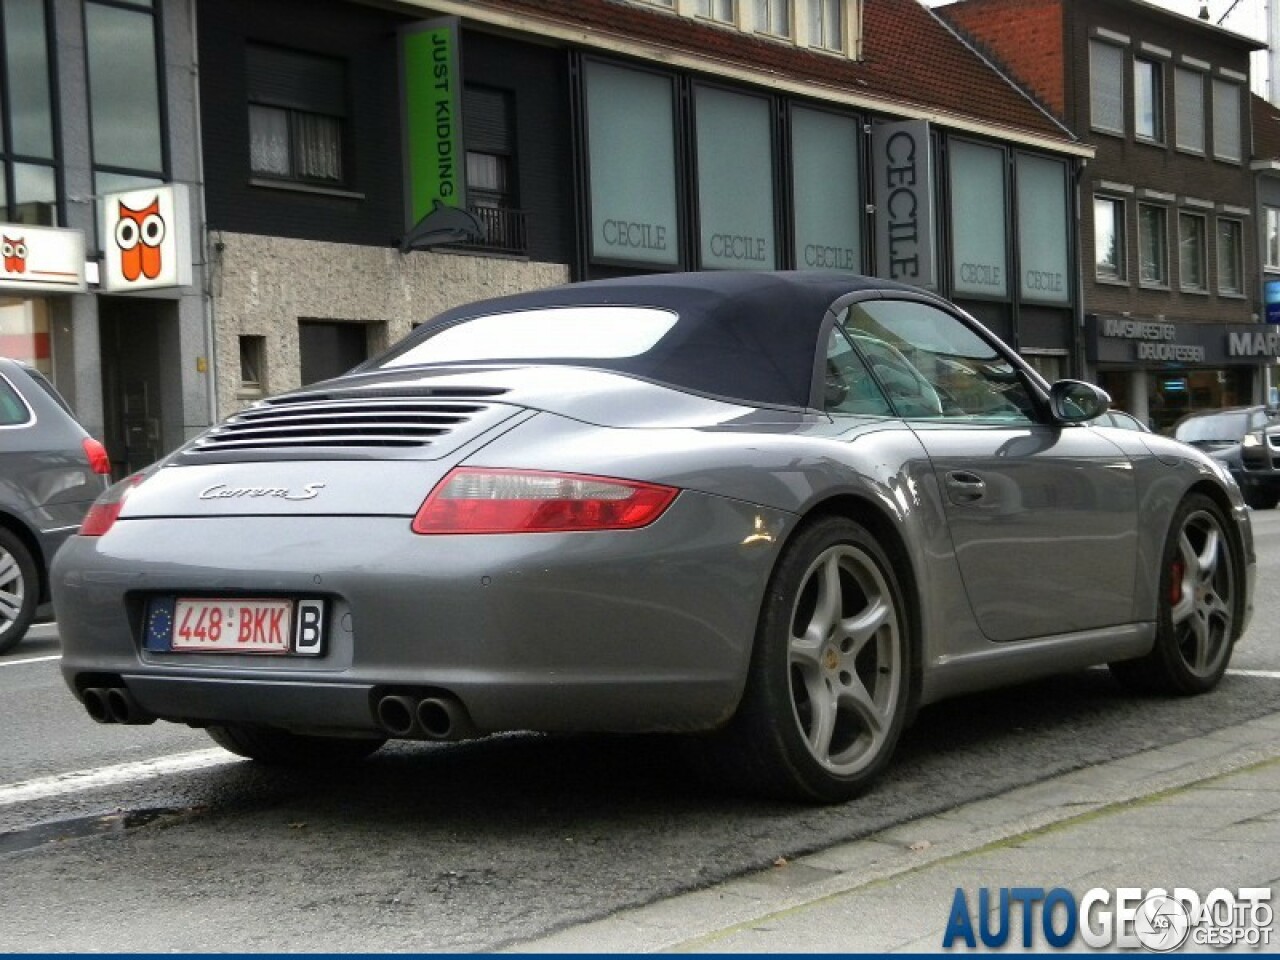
476 846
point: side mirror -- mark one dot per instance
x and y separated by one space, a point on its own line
1074 401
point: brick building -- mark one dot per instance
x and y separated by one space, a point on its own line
1170 263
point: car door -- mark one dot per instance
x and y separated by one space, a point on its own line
1042 515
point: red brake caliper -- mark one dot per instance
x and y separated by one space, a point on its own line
1175 588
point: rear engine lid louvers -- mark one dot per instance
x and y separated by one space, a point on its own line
336 425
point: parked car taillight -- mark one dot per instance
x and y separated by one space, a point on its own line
476 500
102 515
99 462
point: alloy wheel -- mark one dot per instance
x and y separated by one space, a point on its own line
1202 584
845 659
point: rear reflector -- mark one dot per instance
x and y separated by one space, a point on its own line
476 500
99 462
102 515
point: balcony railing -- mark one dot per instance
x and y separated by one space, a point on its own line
504 230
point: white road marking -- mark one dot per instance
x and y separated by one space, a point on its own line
1267 674
77 780
18 663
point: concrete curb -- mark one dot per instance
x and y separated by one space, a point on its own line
695 921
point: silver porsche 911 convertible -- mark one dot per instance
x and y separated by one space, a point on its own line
773 512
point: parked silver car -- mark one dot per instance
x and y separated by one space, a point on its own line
50 473
775 512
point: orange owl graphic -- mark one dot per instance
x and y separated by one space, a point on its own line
15 255
138 235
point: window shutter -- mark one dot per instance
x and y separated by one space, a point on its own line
299 81
486 121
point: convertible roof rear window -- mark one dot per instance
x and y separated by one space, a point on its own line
749 337
555 333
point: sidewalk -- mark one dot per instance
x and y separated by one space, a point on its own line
1201 814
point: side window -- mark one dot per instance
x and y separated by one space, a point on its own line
849 388
13 411
932 365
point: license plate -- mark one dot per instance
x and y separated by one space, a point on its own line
236 625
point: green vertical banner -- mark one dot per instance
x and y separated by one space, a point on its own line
431 92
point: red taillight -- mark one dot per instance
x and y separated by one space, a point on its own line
99 462
476 500
107 507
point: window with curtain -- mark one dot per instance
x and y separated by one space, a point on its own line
1188 110
1148 100
1110 260
1153 245
1106 86
1226 121
1192 252
1230 256
724 11
774 17
826 25
297 109
1272 227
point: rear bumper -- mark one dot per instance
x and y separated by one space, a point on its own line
635 630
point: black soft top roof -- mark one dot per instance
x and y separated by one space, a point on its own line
746 336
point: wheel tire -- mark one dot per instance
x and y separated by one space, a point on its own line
1198 606
828 691
19 590
281 748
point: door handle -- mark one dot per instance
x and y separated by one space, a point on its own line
964 487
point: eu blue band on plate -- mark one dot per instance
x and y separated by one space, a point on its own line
159 628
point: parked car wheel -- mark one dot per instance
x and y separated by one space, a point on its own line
281 748
1199 588
827 695
19 590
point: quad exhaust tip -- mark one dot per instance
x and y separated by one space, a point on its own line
436 717
114 705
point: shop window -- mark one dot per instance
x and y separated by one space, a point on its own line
827 190
1043 229
1153 245
631 163
826 26
1110 260
734 148
1148 100
253 366
1226 121
297 109
1106 87
1188 110
978 205
724 11
1230 256
773 17
1272 253
124 90
25 331
1192 252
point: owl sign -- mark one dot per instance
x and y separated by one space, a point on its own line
41 259
145 239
